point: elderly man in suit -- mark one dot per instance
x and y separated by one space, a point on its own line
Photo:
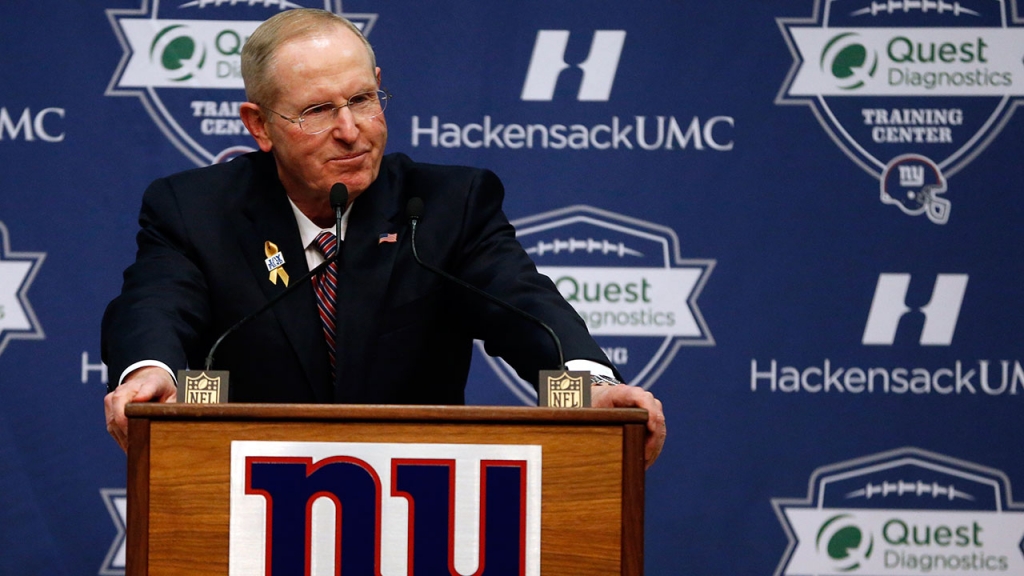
374 327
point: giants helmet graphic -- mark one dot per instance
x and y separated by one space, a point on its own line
913 182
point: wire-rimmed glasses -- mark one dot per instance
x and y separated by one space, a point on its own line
321 117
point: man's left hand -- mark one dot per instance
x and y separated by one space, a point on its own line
624 396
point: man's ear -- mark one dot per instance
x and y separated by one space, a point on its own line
256 124
377 74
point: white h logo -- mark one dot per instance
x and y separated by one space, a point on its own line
548 62
940 314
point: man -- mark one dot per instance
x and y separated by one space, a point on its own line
211 242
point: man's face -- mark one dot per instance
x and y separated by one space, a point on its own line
329 67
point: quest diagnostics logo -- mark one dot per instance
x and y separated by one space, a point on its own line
177 54
182 60
911 90
848 61
627 280
842 541
903 512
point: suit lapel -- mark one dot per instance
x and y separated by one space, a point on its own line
363 281
266 216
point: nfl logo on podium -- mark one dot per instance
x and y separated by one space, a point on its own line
564 389
203 388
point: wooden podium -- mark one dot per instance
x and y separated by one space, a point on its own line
592 493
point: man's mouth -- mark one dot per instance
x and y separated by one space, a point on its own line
346 158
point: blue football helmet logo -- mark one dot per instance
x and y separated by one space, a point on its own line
913 182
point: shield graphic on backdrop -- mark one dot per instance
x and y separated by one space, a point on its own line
627 280
853 518
182 59
911 91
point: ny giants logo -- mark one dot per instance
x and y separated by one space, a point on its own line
380 509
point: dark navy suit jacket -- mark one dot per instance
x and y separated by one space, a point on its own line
404 334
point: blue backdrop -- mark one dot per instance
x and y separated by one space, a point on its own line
795 222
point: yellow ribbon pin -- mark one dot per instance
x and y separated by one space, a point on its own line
275 263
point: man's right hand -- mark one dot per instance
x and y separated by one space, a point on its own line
147 384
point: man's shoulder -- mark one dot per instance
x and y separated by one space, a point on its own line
240 168
227 184
408 172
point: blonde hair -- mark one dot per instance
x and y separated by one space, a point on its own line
259 50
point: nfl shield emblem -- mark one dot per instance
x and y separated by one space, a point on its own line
202 387
564 389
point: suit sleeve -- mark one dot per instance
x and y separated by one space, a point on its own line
492 259
163 304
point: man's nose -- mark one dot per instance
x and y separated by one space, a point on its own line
345 126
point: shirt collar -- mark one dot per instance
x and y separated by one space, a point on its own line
308 231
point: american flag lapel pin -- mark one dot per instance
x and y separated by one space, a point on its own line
390 238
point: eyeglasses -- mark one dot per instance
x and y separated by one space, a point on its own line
321 117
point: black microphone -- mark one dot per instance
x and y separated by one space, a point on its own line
339 200
414 211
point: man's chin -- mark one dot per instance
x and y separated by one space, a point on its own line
355 181
356 184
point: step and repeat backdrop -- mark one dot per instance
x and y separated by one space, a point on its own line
798 223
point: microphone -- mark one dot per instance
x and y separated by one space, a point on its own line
414 211
339 200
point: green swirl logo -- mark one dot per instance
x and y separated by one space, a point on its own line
844 543
848 61
177 53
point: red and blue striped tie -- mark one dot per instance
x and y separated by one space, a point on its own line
325 285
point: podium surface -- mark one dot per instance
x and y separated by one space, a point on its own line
179 473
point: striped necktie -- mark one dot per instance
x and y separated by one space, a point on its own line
325 285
